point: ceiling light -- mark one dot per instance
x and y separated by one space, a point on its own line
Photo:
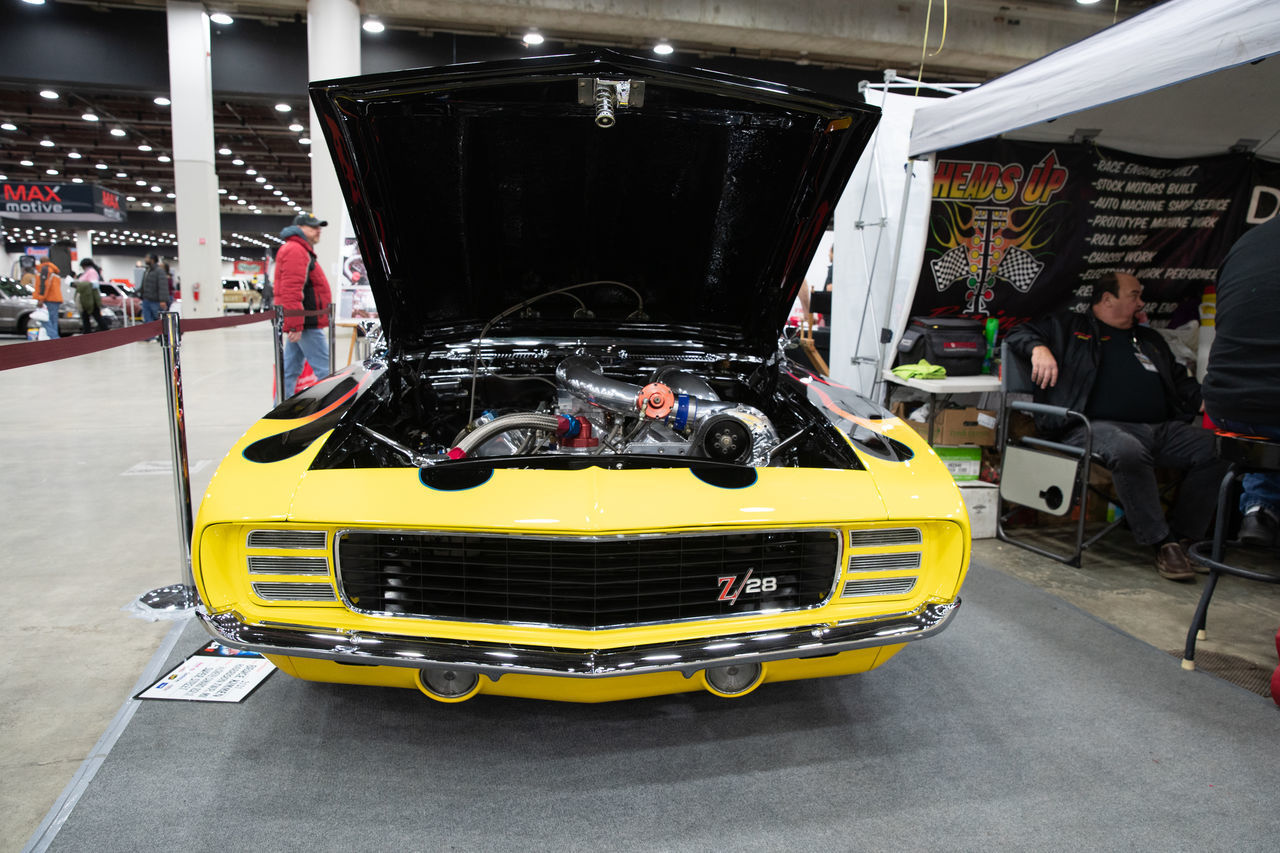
283 108
117 131
241 201
260 179
224 151
74 155
144 147
26 162
158 209
268 187
221 18
251 171
304 140
122 174
155 188
47 142
8 125
140 182
49 93
373 25
170 195
237 162
34 2
165 158
161 101
233 197
663 48
221 191
89 117
102 166
51 171
277 192
532 38
1087 2
295 127
77 180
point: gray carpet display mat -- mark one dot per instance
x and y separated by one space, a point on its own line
1026 725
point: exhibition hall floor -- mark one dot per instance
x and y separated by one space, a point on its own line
1049 716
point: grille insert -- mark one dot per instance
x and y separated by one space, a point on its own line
888 536
288 565
311 539
294 591
884 562
878 586
586 582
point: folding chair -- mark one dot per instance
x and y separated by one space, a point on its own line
1044 475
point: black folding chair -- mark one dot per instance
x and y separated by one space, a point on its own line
1047 476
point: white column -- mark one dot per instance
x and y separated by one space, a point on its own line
195 179
333 50
84 249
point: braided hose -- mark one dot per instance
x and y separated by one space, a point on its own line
519 420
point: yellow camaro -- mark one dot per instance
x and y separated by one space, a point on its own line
580 466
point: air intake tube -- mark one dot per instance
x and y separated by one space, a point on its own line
659 399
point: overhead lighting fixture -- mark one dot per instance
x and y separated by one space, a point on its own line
224 151
237 162
304 140
101 166
8 125
161 101
532 38
49 94
663 48
295 127
34 2
170 195
77 180
277 192
221 18
89 117
122 174
131 198
268 187
260 179
74 155
283 108
222 191
233 197
26 162
158 209
251 171
1088 2
117 131
46 142
51 171
373 25
140 182
156 189
144 147
165 158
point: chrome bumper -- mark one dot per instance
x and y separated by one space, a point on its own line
497 659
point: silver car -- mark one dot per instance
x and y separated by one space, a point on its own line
17 303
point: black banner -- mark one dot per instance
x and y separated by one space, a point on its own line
1019 229
52 200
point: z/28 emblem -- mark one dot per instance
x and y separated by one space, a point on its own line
749 585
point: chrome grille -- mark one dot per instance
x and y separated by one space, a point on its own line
311 539
884 562
294 591
878 586
586 582
886 536
288 565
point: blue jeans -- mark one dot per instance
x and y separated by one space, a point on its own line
313 348
51 325
150 310
1259 489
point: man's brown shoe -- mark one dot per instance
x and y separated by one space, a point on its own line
1198 568
1172 563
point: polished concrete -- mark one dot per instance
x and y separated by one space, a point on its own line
83 537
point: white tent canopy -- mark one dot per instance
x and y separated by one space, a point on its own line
1165 55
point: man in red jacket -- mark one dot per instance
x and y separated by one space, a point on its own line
300 285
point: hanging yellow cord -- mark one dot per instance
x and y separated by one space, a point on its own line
924 46
1115 13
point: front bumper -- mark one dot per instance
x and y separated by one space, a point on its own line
498 659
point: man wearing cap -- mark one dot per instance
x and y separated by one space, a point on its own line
300 285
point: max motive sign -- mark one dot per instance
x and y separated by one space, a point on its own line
82 202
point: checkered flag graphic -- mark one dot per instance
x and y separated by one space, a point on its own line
1020 268
950 268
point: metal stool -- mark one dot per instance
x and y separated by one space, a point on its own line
1246 454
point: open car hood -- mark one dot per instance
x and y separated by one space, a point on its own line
475 188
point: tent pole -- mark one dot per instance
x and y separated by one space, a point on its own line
889 336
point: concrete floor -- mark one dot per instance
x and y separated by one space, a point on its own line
83 538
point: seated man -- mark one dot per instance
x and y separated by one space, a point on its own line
1124 378
1240 387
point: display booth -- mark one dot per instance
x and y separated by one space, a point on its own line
1186 79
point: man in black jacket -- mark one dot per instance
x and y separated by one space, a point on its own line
1140 401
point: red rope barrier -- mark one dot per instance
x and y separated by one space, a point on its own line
38 352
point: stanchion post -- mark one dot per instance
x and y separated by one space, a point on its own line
333 349
181 596
277 335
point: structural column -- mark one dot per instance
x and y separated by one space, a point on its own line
195 179
84 249
333 50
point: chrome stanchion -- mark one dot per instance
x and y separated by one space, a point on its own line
277 326
179 596
333 348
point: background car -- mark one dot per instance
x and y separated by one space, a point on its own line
121 298
17 303
239 295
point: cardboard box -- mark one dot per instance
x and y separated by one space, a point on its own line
965 426
899 409
964 463
983 502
